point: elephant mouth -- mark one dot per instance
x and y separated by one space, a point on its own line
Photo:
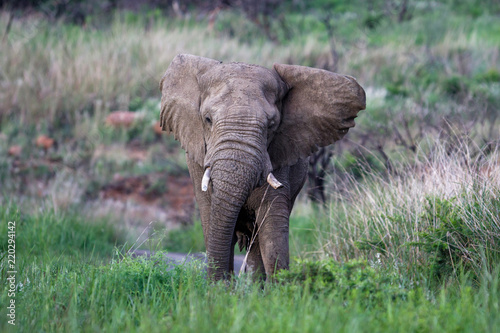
348 123
344 130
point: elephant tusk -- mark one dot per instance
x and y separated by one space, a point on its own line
205 180
273 181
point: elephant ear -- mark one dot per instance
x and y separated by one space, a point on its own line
317 111
180 102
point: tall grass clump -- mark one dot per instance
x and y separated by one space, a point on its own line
438 217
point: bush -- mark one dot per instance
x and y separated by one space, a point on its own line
455 86
490 76
352 279
461 237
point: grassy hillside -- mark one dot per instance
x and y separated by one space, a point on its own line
435 75
408 239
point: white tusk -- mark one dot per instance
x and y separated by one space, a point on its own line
205 180
273 181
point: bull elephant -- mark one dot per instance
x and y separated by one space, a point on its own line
248 131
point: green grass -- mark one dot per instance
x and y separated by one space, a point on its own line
385 260
47 233
187 239
141 295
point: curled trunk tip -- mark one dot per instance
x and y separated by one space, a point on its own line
273 181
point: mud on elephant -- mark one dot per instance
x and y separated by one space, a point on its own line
248 131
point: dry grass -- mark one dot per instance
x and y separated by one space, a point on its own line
53 71
392 212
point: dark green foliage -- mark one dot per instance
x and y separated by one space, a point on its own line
372 20
448 243
490 76
454 241
475 8
396 89
455 86
352 279
376 243
359 164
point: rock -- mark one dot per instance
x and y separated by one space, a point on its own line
157 128
44 142
14 150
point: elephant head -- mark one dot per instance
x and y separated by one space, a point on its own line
239 122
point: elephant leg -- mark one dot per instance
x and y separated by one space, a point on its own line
202 198
255 265
272 212
297 176
273 218
275 223
273 234
245 227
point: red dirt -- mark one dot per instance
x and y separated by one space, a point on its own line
174 193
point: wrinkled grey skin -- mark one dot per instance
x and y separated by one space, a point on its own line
245 121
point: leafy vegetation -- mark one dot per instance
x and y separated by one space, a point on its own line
456 243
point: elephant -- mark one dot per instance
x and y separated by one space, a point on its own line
248 132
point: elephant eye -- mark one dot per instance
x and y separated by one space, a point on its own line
271 124
208 120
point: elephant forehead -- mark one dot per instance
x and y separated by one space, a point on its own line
241 78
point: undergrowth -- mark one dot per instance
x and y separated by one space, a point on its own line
147 295
433 219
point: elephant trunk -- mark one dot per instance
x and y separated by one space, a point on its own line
234 173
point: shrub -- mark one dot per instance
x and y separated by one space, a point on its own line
455 86
461 236
352 279
490 76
